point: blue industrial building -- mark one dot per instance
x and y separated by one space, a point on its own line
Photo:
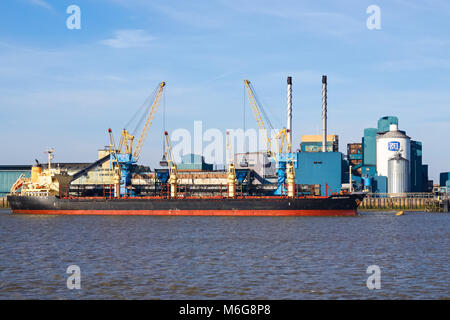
444 179
425 182
369 147
416 166
379 184
324 168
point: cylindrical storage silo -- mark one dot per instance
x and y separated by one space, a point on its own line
398 174
388 145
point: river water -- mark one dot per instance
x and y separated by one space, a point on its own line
145 257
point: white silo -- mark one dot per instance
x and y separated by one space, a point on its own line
390 144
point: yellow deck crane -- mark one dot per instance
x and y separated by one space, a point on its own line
289 164
283 141
127 139
285 166
231 176
114 164
173 171
125 155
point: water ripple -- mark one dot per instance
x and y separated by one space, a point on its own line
225 257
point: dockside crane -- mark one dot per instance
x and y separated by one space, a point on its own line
284 160
125 155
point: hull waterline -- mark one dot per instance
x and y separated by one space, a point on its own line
338 205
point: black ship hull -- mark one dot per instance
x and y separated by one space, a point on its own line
335 205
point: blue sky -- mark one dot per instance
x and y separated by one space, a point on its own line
63 88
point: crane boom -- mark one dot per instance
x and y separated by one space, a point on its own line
112 150
168 152
149 120
257 114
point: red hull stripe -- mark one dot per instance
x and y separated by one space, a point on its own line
197 212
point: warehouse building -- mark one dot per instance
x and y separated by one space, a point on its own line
9 174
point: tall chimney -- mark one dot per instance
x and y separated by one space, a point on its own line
289 113
324 113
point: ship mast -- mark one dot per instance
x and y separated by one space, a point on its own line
50 156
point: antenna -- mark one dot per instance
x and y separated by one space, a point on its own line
50 151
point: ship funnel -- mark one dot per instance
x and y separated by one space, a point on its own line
324 113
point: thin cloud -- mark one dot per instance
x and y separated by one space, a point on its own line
441 6
41 3
413 64
316 20
130 38
198 16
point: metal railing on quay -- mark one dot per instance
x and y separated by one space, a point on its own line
421 195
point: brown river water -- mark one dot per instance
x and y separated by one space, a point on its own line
145 257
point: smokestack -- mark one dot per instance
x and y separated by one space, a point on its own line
324 113
289 113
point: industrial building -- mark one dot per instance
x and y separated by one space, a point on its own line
313 143
386 153
324 168
444 179
9 175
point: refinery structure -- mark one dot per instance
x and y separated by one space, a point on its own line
387 162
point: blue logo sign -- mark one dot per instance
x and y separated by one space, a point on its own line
394 146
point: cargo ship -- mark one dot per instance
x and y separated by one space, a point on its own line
334 205
48 191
